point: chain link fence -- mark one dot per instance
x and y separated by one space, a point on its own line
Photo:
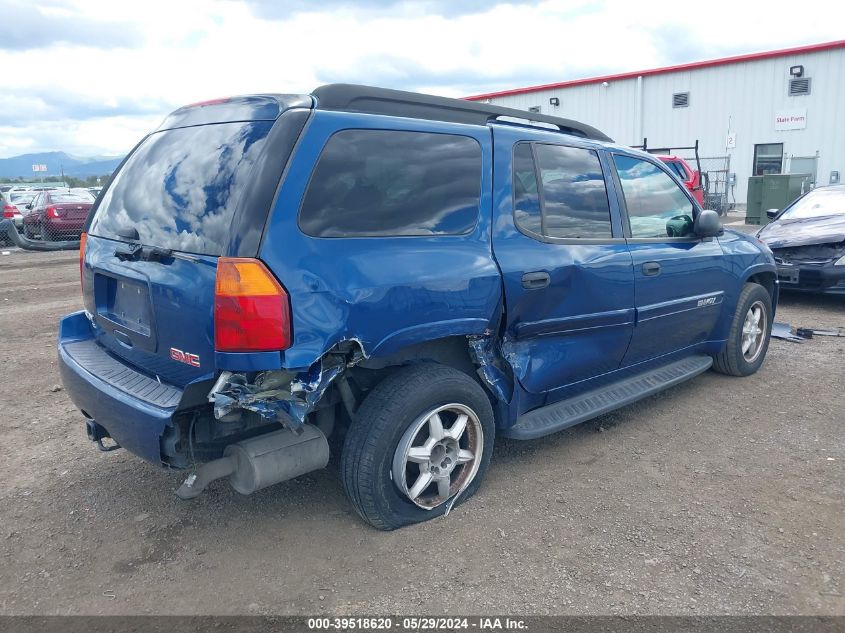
49 219
715 174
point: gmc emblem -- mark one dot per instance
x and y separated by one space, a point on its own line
184 357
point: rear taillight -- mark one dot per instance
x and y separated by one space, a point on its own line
251 309
52 213
10 211
82 240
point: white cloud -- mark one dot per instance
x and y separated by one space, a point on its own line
100 96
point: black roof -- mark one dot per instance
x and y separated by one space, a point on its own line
355 98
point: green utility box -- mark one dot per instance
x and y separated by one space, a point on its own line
773 191
754 206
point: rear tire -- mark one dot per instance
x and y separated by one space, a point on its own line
392 447
748 340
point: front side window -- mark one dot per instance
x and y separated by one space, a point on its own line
574 195
657 206
380 183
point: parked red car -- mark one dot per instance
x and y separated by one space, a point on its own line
689 176
57 215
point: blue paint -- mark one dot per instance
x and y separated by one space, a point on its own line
600 317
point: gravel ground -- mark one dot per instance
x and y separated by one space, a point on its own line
722 495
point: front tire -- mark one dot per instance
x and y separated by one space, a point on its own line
748 340
420 442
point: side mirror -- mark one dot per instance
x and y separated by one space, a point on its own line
771 213
29 205
708 224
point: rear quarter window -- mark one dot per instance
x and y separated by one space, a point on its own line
380 183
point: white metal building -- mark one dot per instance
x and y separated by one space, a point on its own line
774 112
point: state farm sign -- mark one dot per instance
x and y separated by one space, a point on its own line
791 119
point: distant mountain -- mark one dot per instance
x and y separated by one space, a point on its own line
80 167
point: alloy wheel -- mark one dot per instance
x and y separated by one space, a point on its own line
439 455
754 331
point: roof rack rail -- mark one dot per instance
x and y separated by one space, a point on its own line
355 98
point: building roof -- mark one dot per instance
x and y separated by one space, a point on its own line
723 61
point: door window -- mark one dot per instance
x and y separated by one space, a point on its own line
768 159
526 196
657 206
573 202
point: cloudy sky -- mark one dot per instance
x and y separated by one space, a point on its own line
92 76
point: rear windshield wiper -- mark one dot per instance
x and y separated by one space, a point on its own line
155 253
127 252
135 251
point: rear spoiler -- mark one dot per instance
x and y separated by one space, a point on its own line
267 107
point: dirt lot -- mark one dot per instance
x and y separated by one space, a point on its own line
719 496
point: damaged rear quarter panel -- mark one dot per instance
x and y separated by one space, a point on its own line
385 292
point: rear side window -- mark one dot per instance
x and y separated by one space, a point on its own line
180 187
379 183
574 195
526 197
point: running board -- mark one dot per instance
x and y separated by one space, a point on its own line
561 415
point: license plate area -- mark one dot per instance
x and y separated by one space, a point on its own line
788 274
128 304
124 310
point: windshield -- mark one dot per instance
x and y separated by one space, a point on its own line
180 188
816 204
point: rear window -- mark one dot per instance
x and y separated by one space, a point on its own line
180 187
66 198
377 183
679 170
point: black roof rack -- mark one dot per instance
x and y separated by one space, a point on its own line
355 98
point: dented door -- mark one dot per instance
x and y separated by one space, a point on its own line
569 300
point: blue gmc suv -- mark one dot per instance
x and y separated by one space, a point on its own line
394 278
